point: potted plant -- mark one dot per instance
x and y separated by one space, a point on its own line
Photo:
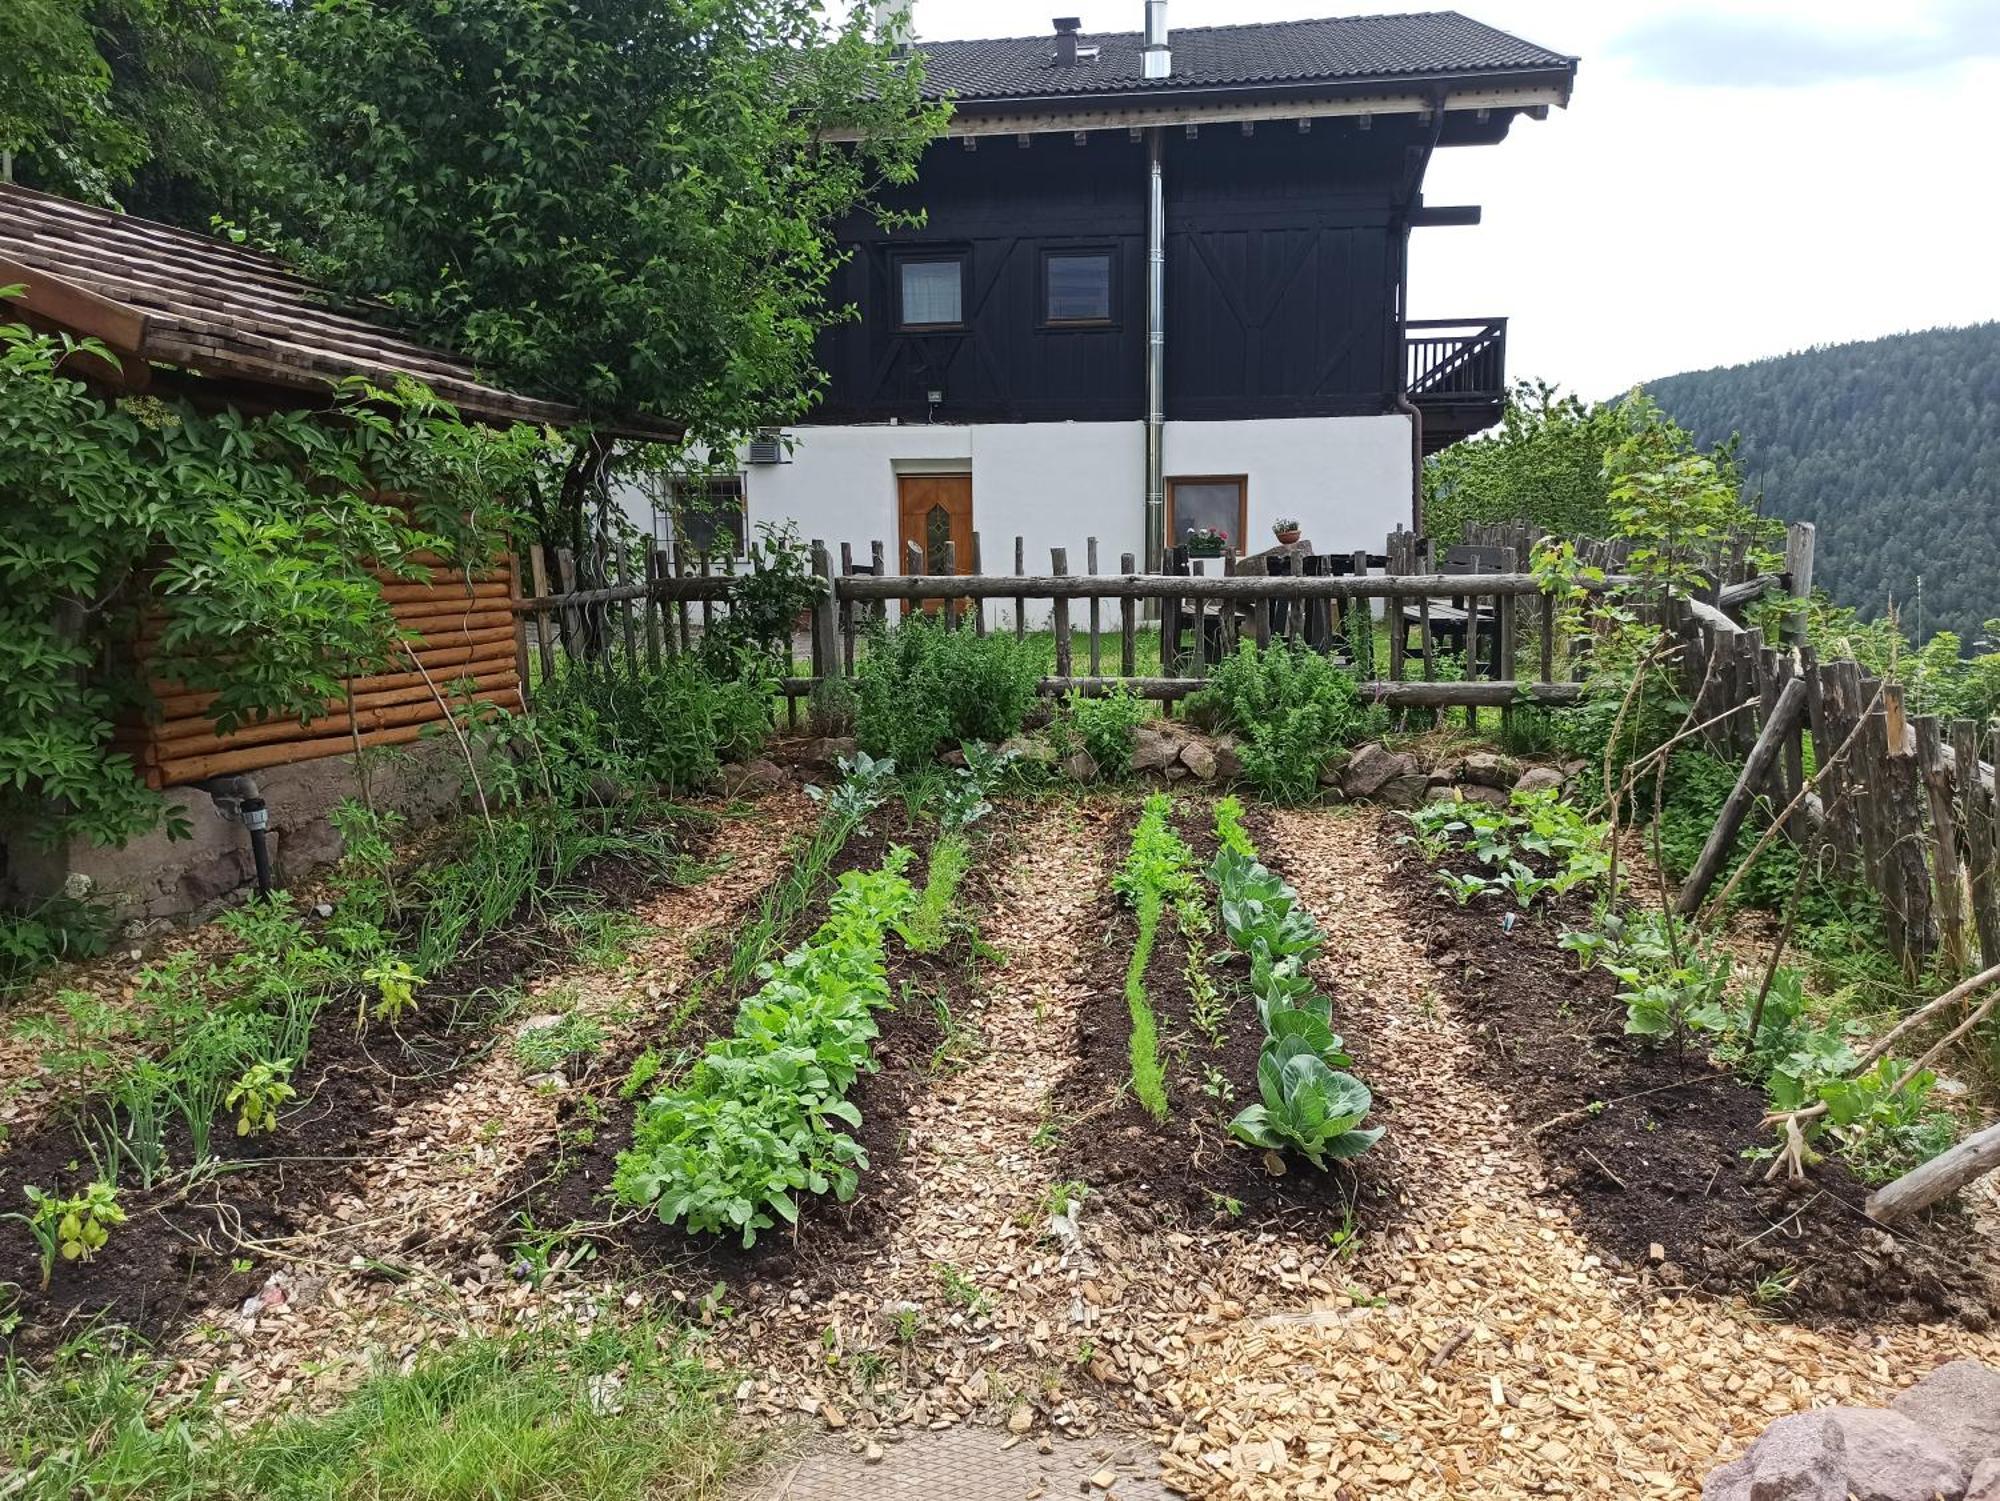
1206 541
1286 530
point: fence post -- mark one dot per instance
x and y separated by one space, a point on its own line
913 564
1947 875
978 601
1392 608
1020 600
520 623
1128 620
825 618
1059 566
1090 555
950 606
1799 539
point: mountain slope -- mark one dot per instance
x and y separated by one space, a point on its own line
1892 446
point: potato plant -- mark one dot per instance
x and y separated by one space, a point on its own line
1536 849
756 1121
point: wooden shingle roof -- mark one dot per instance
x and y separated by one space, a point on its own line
175 298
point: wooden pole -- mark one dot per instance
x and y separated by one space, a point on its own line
977 602
825 620
1783 721
1020 600
1128 623
1096 604
1947 874
1975 805
1944 1175
1059 565
1799 540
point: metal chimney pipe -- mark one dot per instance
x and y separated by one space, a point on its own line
1156 342
1158 59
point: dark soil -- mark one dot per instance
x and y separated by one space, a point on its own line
570 1182
1649 1145
1187 1170
177 1251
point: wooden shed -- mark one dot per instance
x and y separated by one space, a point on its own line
218 324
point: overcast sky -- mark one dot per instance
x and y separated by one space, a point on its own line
1732 179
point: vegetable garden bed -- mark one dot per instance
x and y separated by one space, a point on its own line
1650 1145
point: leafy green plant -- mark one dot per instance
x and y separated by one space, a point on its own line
931 921
921 687
1306 1107
1230 832
755 1122
1292 707
49 932
1102 725
1160 865
1462 889
864 786
257 1095
74 1227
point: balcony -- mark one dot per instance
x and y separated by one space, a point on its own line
1455 373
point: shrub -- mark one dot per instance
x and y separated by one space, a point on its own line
921 686
49 932
1103 726
669 726
1292 707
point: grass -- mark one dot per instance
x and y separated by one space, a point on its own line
617 1415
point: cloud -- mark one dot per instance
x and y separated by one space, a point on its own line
1743 51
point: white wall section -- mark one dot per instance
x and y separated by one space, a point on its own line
1347 480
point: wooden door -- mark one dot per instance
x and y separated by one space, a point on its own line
935 509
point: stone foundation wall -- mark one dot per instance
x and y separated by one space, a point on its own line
157 878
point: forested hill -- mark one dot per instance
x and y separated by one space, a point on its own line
1891 446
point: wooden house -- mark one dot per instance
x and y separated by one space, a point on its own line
221 325
1161 282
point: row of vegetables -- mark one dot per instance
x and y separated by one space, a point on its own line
1309 1105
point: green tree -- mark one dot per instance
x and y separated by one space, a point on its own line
58 127
626 204
1544 464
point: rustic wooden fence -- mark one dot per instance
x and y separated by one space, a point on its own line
1424 629
1903 803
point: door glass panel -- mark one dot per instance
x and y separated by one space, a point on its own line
937 532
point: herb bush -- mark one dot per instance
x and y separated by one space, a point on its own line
1306 1104
922 686
1292 709
754 1122
668 727
1159 866
1103 726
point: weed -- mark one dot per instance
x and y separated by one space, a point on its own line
961 1291
544 1049
958 1045
1058 1197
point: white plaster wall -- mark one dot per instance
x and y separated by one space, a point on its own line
1345 479
1057 484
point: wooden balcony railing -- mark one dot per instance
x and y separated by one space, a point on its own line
1455 359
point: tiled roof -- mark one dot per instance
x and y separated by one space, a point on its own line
203 304
1339 49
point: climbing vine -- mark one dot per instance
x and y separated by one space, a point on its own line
148 543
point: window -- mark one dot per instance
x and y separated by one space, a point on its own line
1219 501
710 516
932 292
1076 286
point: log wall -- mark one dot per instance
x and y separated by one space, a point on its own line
462 636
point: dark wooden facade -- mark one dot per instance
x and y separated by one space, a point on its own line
1284 277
